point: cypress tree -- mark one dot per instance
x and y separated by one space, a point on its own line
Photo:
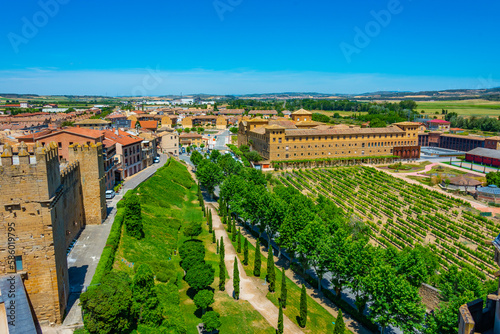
238 249
303 307
209 217
283 289
213 238
229 225
339 324
257 261
217 245
236 279
245 252
235 232
271 274
280 321
222 266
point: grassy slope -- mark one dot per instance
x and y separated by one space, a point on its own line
169 202
319 320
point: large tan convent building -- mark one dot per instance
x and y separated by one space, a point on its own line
281 139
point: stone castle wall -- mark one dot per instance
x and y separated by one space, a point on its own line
42 209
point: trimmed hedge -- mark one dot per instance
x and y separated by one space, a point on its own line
108 253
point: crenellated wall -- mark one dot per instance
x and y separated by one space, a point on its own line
42 209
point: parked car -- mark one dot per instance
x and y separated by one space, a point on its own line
156 160
110 194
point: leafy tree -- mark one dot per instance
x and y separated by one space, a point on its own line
456 282
196 158
337 255
200 277
493 178
192 260
193 230
238 249
145 301
229 165
203 299
283 289
192 247
107 307
236 279
445 319
303 307
211 321
317 117
280 321
245 252
257 260
214 156
313 247
271 273
222 266
377 123
339 324
234 130
394 300
133 217
253 156
209 174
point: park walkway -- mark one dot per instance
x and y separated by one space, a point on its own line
251 288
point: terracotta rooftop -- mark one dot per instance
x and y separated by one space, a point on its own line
302 112
92 121
263 112
145 124
190 135
122 138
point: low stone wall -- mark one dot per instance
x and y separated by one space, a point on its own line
430 296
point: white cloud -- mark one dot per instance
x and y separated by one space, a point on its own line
158 82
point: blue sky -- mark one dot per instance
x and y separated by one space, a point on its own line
246 46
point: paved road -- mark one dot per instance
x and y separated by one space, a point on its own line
85 255
223 139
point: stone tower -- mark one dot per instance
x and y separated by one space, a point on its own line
30 241
90 158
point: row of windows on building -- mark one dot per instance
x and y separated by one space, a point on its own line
132 150
377 144
330 153
338 137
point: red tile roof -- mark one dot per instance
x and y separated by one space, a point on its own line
438 121
145 124
123 138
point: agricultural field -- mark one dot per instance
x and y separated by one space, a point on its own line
403 214
477 107
341 113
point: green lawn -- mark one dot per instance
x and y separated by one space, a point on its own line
319 320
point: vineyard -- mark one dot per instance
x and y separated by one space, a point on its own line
403 214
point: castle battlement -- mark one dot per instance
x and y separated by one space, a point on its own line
69 169
87 147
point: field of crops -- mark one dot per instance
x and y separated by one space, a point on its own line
403 214
477 108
